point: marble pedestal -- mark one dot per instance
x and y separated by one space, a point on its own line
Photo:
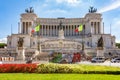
21 54
100 52
61 34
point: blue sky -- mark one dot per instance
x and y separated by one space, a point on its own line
11 10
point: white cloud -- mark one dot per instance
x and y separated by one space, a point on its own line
70 2
45 5
3 40
117 23
57 11
117 41
115 28
114 5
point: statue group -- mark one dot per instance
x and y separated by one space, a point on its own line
29 10
20 42
100 42
92 10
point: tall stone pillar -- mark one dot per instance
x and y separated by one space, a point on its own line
57 28
94 28
99 24
68 29
21 27
45 29
75 31
64 30
50 30
25 28
41 30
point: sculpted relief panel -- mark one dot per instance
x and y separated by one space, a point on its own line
61 44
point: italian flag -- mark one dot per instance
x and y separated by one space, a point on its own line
80 28
36 29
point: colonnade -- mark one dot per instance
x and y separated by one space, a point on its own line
52 30
95 27
25 28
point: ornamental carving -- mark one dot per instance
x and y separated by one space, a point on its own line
73 45
78 47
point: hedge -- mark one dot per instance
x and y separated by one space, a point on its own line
58 68
18 68
77 68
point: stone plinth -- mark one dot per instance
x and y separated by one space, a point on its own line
100 52
21 54
61 34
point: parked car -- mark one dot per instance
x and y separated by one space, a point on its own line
98 60
0 62
114 60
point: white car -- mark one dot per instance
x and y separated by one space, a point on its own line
98 60
114 60
0 62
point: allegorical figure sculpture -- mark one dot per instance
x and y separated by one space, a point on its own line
20 42
29 10
100 42
92 10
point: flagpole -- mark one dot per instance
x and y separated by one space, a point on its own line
11 29
110 29
38 42
103 27
110 34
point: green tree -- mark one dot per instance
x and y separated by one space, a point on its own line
118 45
2 45
57 57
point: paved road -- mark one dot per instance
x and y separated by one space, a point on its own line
106 63
21 62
